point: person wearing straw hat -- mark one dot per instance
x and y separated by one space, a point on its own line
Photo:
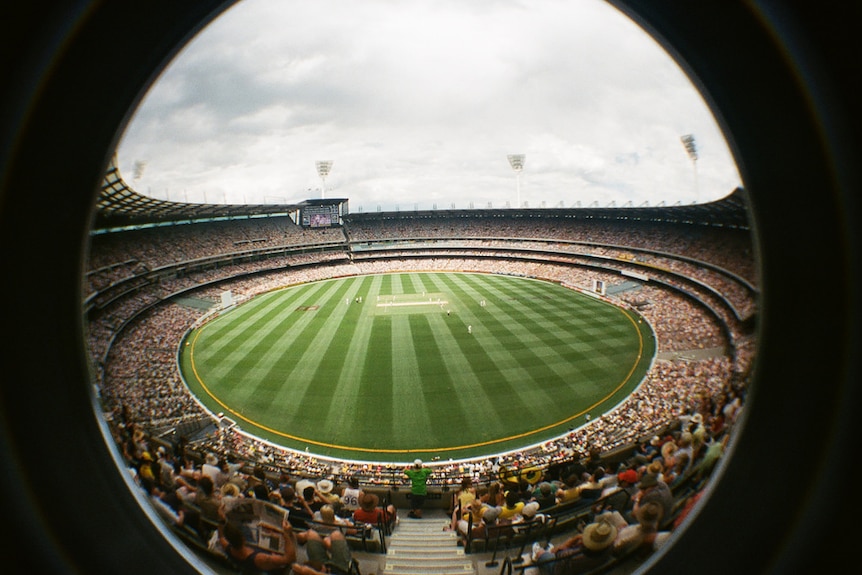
644 537
579 554
371 513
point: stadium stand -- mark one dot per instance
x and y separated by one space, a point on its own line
701 295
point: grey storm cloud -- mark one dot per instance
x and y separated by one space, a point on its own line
421 101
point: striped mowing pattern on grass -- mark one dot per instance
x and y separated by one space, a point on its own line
454 365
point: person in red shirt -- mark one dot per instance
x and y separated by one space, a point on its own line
371 513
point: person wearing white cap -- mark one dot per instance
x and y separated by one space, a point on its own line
324 491
418 475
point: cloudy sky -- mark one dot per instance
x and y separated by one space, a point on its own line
418 103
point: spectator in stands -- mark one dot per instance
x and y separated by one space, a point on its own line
350 496
259 484
418 475
643 537
495 497
208 500
544 494
713 452
482 518
251 560
300 513
685 444
580 553
323 557
646 451
326 522
688 505
210 468
166 469
465 494
653 489
371 513
148 469
588 488
171 513
512 506
324 492
627 480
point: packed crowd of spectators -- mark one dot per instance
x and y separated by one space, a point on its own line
137 373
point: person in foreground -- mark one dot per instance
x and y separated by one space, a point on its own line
254 561
335 558
578 554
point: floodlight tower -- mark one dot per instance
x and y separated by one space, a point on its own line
691 149
323 168
517 163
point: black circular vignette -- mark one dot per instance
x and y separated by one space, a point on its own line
781 81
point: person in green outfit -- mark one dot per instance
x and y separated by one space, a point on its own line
418 475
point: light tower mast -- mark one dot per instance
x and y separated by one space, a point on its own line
691 149
323 168
517 163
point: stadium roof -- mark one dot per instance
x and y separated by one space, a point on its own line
119 206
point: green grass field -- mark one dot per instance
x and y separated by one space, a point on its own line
449 365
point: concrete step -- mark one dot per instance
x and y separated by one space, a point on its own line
417 551
447 537
422 547
423 525
428 568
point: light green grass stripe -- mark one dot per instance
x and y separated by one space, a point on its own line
246 356
241 328
307 397
275 367
412 409
440 387
519 376
485 356
543 335
344 395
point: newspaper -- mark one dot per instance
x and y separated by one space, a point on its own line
261 522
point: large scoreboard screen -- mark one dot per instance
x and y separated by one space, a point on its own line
319 216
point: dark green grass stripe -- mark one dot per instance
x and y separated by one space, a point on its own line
526 372
522 324
373 407
318 352
439 387
573 362
386 284
487 358
243 325
267 334
604 345
278 366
